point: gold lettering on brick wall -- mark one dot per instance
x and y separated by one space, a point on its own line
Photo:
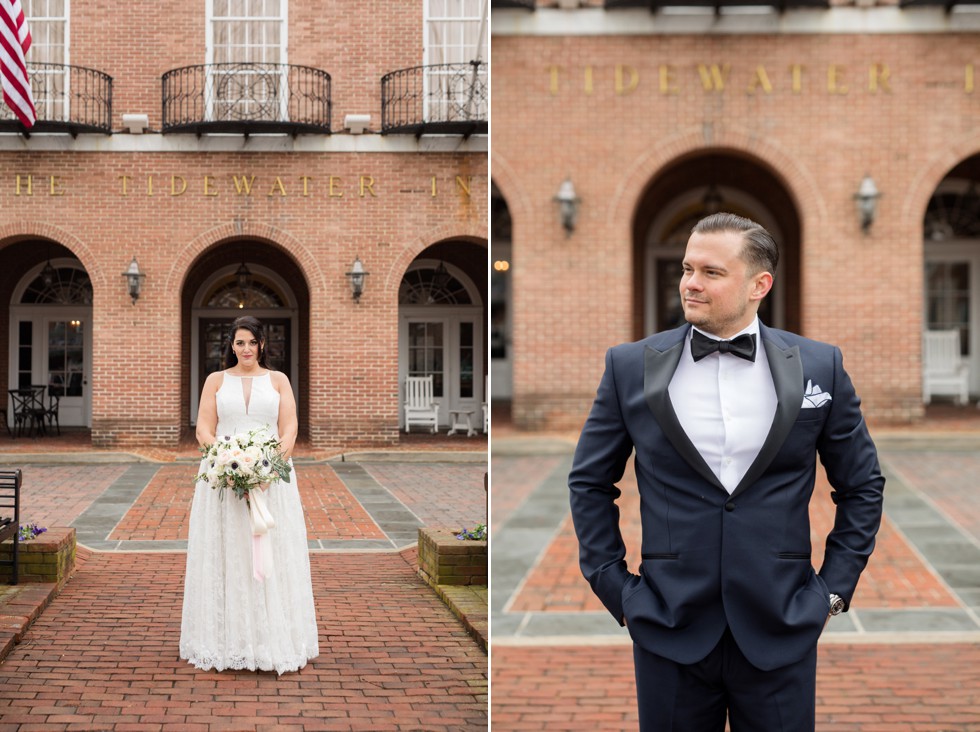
623 88
244 185
278 186
713 76
834 74
721 78
760 78
668 79
553 81
796 75
174 190
878 77
210 185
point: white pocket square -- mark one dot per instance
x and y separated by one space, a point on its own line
813 397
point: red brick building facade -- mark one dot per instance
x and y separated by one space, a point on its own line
252 159
659 117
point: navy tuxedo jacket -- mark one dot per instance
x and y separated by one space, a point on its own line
711 559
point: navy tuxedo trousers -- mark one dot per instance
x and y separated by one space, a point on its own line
697 697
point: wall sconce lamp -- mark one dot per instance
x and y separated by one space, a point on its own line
357 275
867 202
568 205
134 279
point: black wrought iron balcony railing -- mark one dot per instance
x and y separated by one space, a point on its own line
67 98
246 98
447 99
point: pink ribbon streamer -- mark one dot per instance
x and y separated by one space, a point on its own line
262 522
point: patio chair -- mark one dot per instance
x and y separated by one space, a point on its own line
486 405
27 411
51 411
419 406
944 370
10 517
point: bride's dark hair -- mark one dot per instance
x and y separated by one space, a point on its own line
253 326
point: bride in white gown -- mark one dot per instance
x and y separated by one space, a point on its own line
231 619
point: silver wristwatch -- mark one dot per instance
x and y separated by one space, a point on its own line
836 604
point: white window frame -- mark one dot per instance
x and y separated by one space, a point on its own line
210 20
430 57
43 106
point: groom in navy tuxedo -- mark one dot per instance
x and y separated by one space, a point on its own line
726 419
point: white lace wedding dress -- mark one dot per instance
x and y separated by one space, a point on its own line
230 619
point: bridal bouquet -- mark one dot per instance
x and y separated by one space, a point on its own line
243 462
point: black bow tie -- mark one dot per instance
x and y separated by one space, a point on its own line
743 346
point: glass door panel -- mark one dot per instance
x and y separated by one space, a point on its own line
948 299
64 368
426 353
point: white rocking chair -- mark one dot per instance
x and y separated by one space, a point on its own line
419 407
944 370
486 405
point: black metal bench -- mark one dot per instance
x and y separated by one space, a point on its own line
10 516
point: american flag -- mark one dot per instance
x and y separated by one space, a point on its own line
15 40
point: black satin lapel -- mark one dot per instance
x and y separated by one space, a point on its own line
787 377
658 369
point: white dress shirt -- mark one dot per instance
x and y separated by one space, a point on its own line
726 406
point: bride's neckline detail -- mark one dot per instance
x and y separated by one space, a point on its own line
247 376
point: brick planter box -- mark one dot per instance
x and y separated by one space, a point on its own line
48 558
446 560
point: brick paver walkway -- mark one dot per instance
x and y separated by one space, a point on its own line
895 576
446 494
860 688
162 511
906 658
104 656
55 495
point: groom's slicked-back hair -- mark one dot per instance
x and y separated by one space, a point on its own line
760 250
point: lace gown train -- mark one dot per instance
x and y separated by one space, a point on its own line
231 620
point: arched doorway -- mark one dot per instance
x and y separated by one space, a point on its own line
245 278
441 326
951 250
675 200
51 334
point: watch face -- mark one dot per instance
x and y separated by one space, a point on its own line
836 606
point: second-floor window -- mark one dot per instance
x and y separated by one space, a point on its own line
46 60
246 50
456 33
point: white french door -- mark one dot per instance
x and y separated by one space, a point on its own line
445 343
52 346
952 283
